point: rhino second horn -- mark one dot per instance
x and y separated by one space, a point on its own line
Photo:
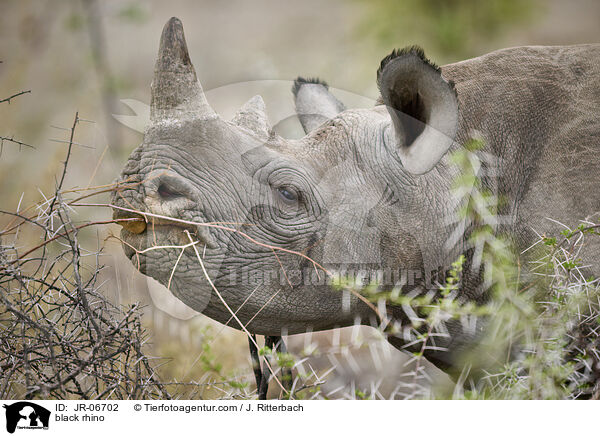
253 116
176 92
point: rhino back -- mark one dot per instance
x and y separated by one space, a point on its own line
537 108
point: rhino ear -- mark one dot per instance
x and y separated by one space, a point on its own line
423 107
314 103
253 116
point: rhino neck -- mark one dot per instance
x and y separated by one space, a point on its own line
419 223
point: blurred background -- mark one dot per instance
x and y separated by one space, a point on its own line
88 55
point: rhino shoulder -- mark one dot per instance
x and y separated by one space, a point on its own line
559 64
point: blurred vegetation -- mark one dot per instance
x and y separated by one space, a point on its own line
541 332
447 29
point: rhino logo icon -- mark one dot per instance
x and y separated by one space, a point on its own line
27 415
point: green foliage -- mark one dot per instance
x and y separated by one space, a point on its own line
540 334
449 29
204 369
199 371
74 22
133 13
361 395
285 360
541 314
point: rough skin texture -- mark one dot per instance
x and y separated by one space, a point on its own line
341 197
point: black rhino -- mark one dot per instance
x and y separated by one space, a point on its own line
262 217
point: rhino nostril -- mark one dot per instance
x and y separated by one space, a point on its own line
167 193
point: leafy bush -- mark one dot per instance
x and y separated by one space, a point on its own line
542 321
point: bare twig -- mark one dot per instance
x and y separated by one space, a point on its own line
62 338
14 141
8 99
62 178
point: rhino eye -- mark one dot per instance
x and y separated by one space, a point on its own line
288 194
168 193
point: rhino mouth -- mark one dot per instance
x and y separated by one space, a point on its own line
143 234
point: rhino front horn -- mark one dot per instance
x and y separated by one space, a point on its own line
176 92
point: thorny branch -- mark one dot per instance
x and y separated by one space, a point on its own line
60 337
8 99
14 141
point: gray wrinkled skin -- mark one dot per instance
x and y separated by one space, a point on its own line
366 189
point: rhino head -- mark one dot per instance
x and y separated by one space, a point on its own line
239 219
